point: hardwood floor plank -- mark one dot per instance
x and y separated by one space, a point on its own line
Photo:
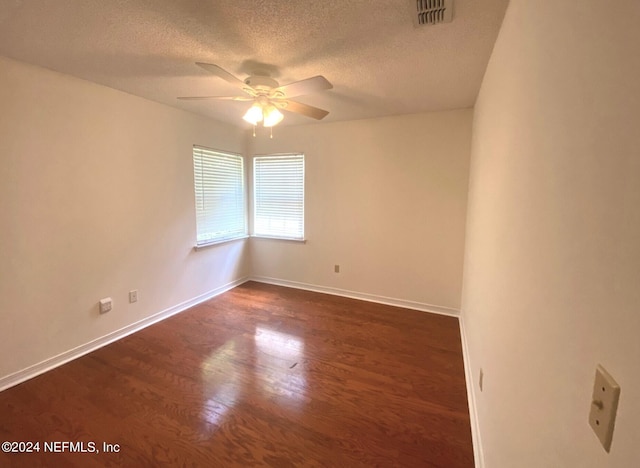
259 376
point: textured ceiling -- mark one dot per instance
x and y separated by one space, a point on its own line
378 62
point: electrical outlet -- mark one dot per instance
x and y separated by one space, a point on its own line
604 405
133 296
105 305
336 268
481 379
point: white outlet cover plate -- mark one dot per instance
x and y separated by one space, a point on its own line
604 405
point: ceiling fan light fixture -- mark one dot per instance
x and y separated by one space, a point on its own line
272 116
254 114
267 94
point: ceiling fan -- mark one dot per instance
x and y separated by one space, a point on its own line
268 96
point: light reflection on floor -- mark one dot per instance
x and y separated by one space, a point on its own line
278 373
221 385
281 356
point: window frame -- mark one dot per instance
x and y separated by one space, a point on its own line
254 193
200 193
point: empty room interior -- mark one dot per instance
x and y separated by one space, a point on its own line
287 233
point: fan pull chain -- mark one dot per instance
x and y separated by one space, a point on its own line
271 132
254 131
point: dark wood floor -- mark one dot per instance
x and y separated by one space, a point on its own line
259 376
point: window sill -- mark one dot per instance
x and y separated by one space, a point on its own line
217 242
286 239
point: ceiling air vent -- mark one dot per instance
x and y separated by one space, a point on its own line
432 12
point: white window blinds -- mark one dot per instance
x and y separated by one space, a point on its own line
220 195
279 196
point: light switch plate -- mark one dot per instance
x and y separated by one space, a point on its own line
604 405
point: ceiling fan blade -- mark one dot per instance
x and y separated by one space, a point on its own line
302 87
225 75
299 108
224 98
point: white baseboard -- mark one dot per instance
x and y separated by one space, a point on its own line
56 361
478 455
359 295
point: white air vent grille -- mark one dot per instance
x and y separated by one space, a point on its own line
433 12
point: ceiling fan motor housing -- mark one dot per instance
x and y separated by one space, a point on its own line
262 83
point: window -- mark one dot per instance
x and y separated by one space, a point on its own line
278 196
220 196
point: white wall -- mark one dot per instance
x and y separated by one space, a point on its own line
96 198
385 199
552 261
